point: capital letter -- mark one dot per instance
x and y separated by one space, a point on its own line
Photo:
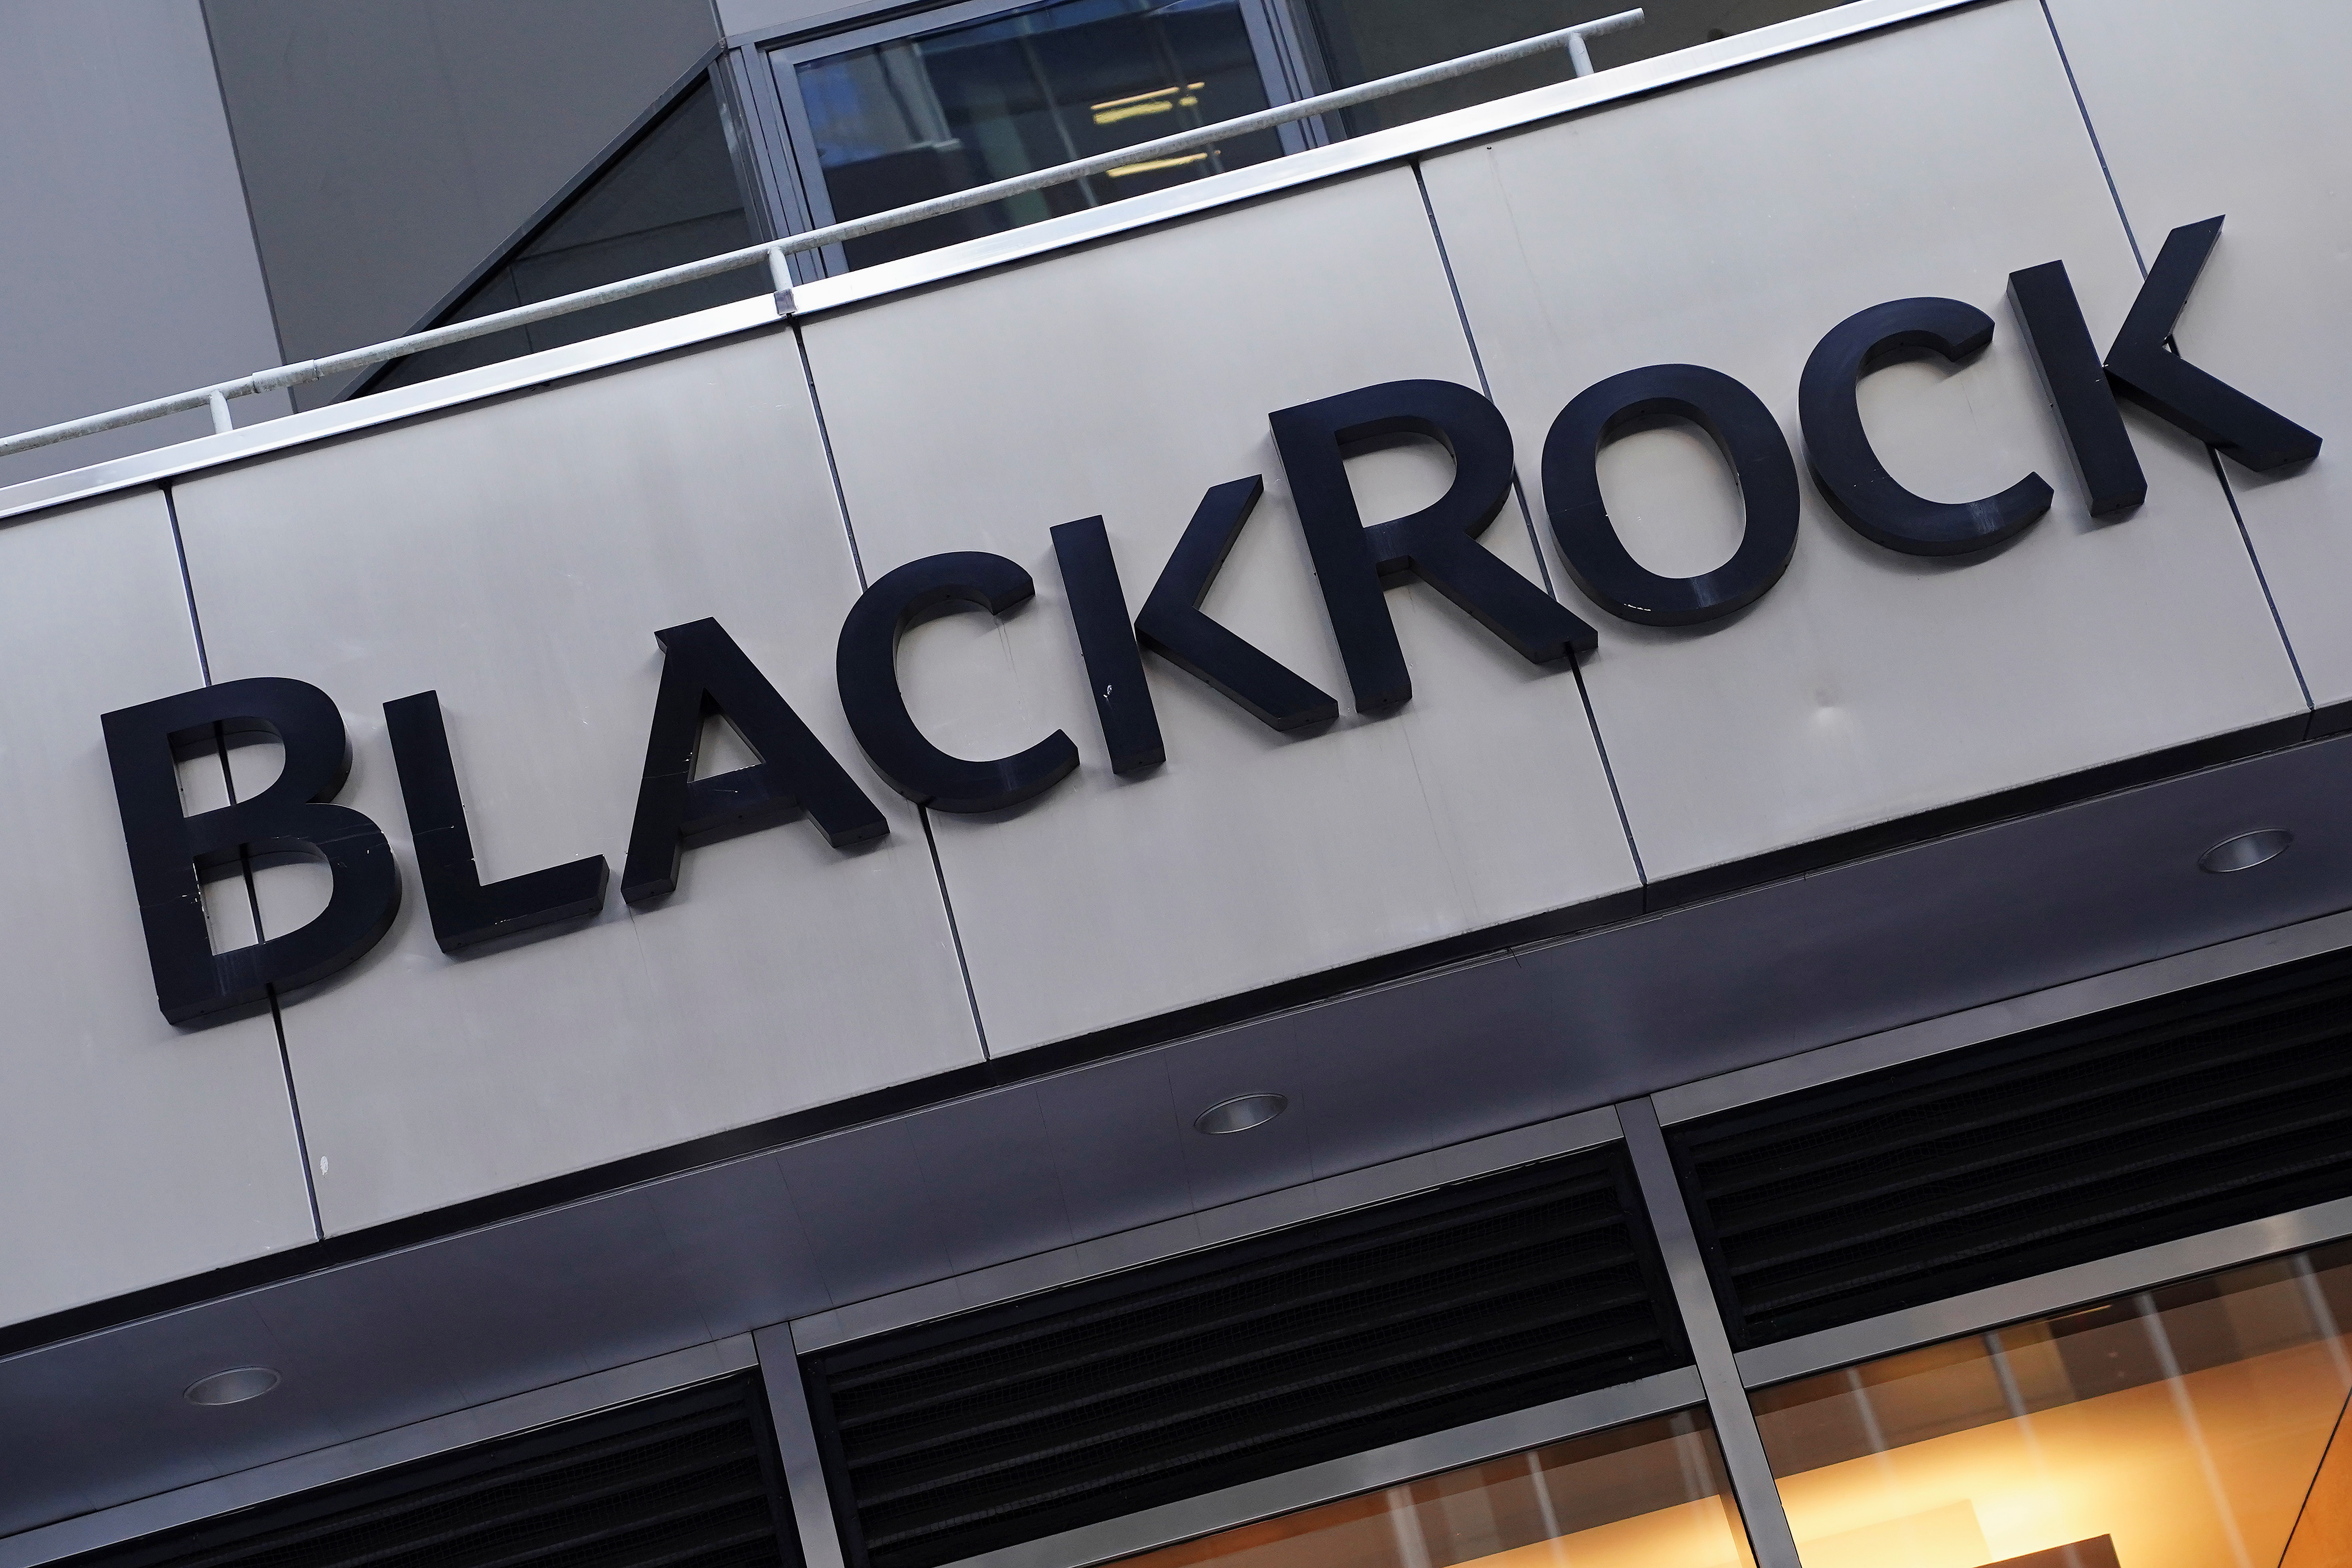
1854 482
703 674
173 855
1437 544
2178 393
866 664
465 913
1130 725
1173 625
1743 430
2077 383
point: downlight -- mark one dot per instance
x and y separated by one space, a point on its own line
1240 1113
234 1386
2245 852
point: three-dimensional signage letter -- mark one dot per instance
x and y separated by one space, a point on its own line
1130 725
1855 483
865 662
1743 429
2168 386
465 914
1174 626
705 674
173 855
2077 383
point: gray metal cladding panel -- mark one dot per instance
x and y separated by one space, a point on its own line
519 557
1126 381
111 114
2221 107
1731 224
131 1153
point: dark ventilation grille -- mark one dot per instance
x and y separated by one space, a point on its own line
2063 1144
687 1481
1087 1403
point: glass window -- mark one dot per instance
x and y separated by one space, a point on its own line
1363 40
919 116
2194 1426
670 197
1651 1495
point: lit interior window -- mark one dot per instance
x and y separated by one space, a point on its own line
2185 1427
1650 1495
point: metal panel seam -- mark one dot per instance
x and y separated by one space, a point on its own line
2229 494
1527 519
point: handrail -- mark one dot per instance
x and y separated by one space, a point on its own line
773 252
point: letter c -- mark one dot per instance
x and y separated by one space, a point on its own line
1854 482
866 665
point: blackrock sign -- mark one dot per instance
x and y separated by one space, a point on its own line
706 673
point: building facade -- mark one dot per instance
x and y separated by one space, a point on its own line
1600 818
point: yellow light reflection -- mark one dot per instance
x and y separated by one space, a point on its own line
1155 92
1130 110
1690 1536
1154 165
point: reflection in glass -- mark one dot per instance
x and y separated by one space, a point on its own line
671 197
1651 1495
1364 40
920 117
2185 1427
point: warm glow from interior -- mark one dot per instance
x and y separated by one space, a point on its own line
2207 1471
1692 1535
1646 1496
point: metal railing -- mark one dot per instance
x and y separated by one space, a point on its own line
774 252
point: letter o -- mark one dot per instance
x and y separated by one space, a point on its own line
1743 429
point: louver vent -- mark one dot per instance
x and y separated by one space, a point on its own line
686 1480
2053 1147
1244 1361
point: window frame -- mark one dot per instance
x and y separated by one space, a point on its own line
763 66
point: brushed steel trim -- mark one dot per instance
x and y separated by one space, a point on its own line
1166 1239
1287 1493
2076 999
336 419
422 1440
2121 1275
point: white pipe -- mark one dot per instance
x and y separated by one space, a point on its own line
773 252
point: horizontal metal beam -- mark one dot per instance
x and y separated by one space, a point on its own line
773 252
2056 1291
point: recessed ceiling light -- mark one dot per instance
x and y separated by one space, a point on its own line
2246 850
1240 1113
234 1386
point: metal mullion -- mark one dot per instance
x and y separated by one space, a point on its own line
797 139
1736 1433
1281 68
798 1450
